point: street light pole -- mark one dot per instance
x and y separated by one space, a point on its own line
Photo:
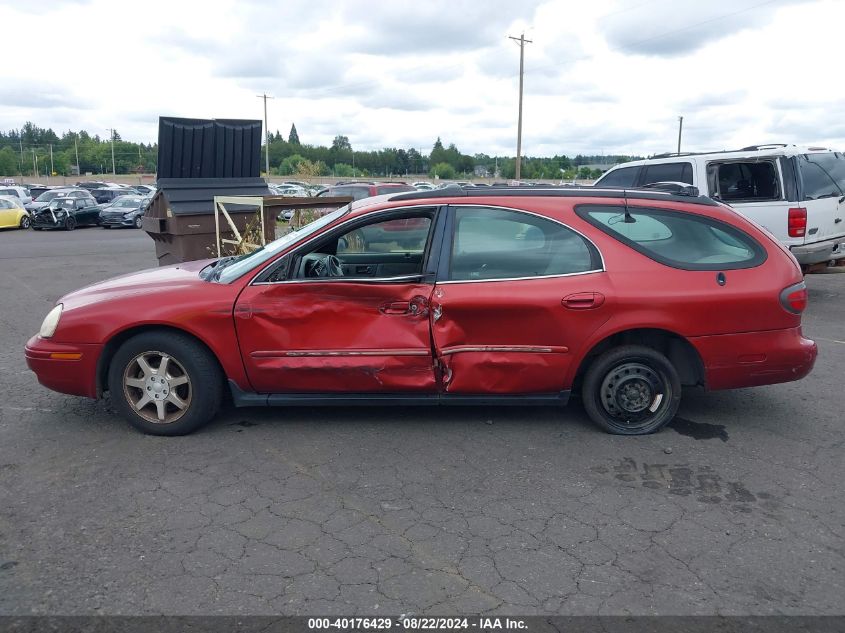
113 170
266 135
522 42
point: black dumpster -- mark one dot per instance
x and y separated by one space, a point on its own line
197 160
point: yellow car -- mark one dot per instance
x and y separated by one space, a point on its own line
12 214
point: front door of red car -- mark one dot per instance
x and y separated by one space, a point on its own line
349 314
517 294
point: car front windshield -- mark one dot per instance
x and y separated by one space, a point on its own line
245 263
49 195
126 202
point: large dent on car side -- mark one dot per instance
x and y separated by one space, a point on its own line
364 373
499 371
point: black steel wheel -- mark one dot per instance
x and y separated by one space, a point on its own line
631 390
70 223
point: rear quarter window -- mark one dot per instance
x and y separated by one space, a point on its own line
677 239
622 177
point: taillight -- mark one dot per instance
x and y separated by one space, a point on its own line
797 222
794 298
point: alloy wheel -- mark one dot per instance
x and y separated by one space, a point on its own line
157 386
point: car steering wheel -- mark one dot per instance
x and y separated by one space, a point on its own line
321 265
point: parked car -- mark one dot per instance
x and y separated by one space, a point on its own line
455 297
108 194
145 190
796 193
37 190
361 190
67 213
294 191
21 193
48 196
12 213
125 211
422 186
91 185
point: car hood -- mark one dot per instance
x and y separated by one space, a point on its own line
178 277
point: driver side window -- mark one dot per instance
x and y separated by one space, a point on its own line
382 249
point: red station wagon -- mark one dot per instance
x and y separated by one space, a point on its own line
449 297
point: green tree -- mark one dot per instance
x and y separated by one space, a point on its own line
584 173
342 170
293 137
290 165
341 144
9 162
443 170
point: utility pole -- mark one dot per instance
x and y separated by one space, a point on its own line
51 159
266 135
20 162
680 129
113 170
76 151
34 164
522 42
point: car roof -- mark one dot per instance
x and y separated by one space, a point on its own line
753 151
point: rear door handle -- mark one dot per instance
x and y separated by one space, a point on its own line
583 301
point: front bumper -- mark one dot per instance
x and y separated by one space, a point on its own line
45 221
65 367
119 220
752 359
819 252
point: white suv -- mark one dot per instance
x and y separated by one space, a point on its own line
796 193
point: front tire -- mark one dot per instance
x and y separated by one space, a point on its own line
138 222
25 222
70 224
165 383
631 390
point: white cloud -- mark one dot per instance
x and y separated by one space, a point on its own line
600 77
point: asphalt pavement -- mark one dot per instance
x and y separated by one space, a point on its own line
737 508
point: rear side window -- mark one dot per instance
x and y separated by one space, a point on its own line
502 244
668 172
822 175
394 189
622 177
357 192
677 239
744 181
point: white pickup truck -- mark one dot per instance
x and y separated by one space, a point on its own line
796 193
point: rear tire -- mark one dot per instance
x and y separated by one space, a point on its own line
631 390
165 383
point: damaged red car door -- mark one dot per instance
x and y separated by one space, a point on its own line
362 326
520 296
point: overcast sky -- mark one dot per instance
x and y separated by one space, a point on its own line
601 77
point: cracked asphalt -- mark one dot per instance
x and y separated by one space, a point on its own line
736 509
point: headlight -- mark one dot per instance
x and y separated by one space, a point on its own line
51 322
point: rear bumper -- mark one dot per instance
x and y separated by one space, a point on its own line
819 252
755 358
64 367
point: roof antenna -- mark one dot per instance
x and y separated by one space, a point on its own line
629 219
